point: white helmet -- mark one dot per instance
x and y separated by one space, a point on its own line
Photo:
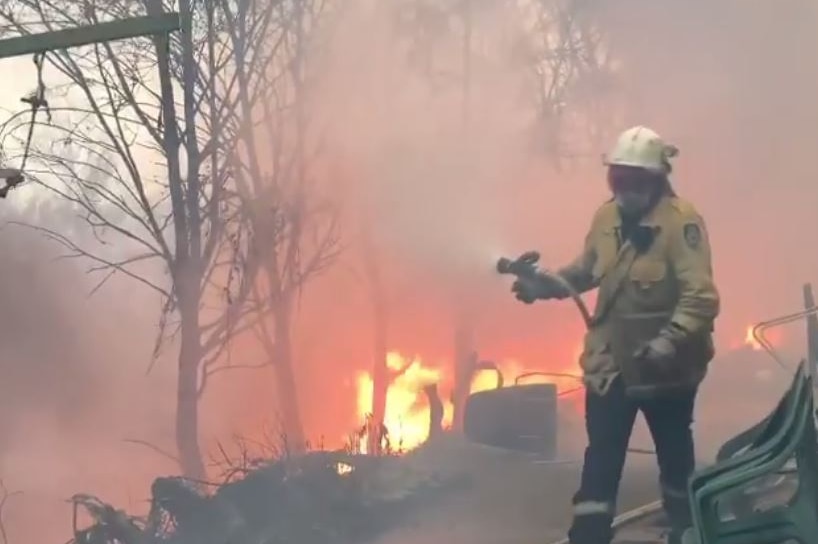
641 147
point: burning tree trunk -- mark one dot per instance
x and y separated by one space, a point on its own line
435 411
465 355
383 375
381 378
465 362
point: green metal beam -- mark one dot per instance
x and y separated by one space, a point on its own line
89 34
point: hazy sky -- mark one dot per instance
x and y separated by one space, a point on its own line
19 78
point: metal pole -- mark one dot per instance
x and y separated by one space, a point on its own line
44 42
812 333
89 34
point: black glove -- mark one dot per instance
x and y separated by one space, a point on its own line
540 287
526 290
659 350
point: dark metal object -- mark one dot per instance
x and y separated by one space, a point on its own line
89 34
41 43
524 266
520 418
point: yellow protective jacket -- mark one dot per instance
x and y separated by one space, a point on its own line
665 289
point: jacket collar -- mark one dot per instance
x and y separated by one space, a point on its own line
652 219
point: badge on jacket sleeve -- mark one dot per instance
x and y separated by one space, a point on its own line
693 235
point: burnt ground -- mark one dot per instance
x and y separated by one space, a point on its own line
508 498
448 491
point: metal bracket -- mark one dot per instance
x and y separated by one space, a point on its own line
43 42
88 34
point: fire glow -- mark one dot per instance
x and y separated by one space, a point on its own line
750 340
407 414
775 337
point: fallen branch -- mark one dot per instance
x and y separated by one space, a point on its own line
155 448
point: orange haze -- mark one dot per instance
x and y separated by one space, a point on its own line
442 195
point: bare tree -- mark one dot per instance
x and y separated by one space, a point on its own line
381 379
572 77
557 44
129 106
293 230
383 376
425 28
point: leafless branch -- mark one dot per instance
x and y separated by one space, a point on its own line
154 448
5 495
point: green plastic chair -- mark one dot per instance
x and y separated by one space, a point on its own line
797 520
710 497
766 441
761 431
766 444
728 485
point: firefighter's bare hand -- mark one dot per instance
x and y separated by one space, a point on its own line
658 350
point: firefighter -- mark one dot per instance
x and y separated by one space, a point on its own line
650 339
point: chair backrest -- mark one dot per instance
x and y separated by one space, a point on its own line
765 429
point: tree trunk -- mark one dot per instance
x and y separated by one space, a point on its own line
381 378
435 411
465 360
187 405
290 411
381 375
465 357
186 274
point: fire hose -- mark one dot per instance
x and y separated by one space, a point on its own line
525 267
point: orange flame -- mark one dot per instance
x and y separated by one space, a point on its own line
407 410
407 413
751 341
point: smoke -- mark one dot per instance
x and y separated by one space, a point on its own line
445 193
444 180
730 84
73 385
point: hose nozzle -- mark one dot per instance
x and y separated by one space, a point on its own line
524 265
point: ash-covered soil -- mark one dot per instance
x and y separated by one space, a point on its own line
447 491
509 498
